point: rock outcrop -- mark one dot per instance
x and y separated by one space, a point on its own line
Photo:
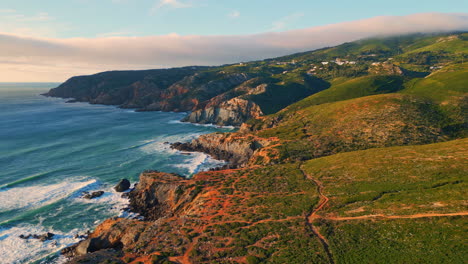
234 148
157 195
96 194
385 68
212 95
43 237
178 89
122 186
233 112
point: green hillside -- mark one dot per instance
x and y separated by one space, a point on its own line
449 83
399 182
361 68
352 88
359 155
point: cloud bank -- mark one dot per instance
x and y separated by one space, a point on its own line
36 59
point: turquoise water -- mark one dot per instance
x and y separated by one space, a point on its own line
52 151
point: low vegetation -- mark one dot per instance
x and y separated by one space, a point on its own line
365 161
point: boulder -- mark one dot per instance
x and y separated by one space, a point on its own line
43 237
93 195
91 245
122 186
46 236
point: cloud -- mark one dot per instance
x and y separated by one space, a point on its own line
115 34
38 24
282 23
175 4
33 59
234 14
3 11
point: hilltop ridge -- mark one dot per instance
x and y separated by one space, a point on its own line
233 94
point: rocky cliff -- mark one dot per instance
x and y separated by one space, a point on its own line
235 148
212 95
233 112
157 196
178 89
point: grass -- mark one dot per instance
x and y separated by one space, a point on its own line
353 88
356 124
426 240
443 85
395 181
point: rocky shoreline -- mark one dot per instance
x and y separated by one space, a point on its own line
222 146
158 195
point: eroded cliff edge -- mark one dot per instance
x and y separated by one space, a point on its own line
211 95
157 197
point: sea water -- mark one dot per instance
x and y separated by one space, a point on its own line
52 151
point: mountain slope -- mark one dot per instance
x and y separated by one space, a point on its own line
232 94
263 214
359 160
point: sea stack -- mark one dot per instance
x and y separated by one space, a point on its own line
122 186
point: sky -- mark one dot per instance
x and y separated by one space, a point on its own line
52 40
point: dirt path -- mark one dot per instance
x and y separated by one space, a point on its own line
338 218
324 200
310 217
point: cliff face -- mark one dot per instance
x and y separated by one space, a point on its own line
207 93
157 196
178 89
228 113
211 95
188 93
231 147
124 88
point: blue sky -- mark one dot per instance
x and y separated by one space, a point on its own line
53 40
101 18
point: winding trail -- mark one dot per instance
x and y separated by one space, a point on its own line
312 215
324 200
344 218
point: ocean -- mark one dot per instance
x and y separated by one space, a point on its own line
52 151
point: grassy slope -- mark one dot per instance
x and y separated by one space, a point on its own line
424 240
441 85
436 86
361 123
258 213
440 43
353 88
395 181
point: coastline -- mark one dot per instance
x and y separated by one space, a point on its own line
130 210
51 179
71 100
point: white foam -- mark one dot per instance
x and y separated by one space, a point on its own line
114 200
16 250
41 195
199 162
204 125
194 163
159 145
